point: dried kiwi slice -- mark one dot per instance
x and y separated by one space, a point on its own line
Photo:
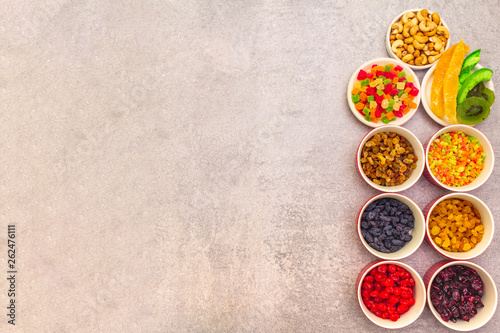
488 95
473 110
477 91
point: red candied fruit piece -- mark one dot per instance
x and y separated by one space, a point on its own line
388 88
401 79
413 92
382 268
398 68
369 75
379 99
394 91
371 91
361 75
374 65
378 113
398 114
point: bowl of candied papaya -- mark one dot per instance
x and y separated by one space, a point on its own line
459 226
383 91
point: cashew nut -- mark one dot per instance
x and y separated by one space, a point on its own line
407 57
431 33
408 40
427 25
441 30
411 48
421 39
407 16
400 36
416 53
417 45
433 53
432 59
399 53
438 44
411 62
421 60
413 30
397 26
427 52
435 18
422 15
406 29
397 43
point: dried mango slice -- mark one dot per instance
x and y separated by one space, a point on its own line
451 80
437 102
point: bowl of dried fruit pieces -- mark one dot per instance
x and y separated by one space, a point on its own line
461 294
459 225
390 158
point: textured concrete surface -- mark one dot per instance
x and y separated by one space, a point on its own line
188 166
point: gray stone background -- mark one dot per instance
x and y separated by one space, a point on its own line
188 166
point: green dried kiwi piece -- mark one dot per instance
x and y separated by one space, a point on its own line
481 91
481 75
488 95
468 64
473 110
477 91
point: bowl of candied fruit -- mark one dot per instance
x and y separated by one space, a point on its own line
460 294
390 293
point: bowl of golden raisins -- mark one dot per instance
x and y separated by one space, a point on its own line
459 226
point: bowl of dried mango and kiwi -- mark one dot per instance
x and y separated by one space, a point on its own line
458 90
418 37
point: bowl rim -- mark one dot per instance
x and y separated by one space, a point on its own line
426 81
407 70
463 128
414 274
416 211
420 166
449 254
388 34
444 264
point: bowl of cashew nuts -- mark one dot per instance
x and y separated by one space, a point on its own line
417 37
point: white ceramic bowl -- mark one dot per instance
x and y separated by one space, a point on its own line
486 220
488 162
407 318
383 62
418 231
489 297
388 40
418 151
426 94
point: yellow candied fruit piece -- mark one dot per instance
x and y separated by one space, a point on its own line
373 84
357 84
467 247
410 78
435 230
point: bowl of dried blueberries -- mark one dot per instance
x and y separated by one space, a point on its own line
391 226
461 295
390 158
459 225
390 293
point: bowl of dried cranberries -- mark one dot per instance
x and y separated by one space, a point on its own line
461 295
390 293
